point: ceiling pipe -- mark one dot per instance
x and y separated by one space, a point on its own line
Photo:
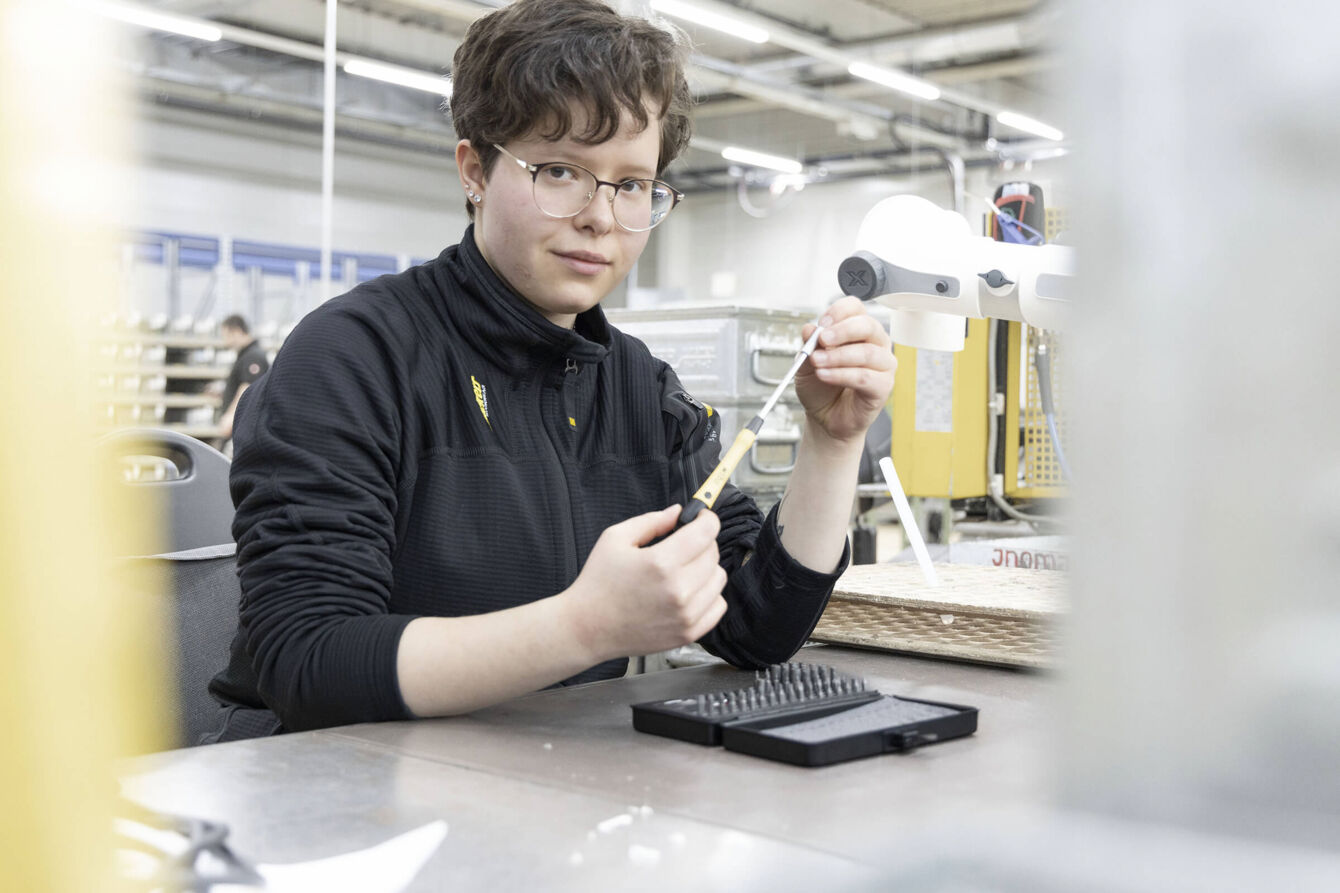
858 88
909 170
249 107
928 46
715 75
456 10
783 35
792 39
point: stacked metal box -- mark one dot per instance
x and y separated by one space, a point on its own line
731 358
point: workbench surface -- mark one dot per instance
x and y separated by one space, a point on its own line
532 790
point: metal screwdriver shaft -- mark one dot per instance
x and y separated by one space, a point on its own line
711 488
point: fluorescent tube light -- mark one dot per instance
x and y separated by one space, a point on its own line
1029 125
709 19
895 80
394 74
158 21
762 159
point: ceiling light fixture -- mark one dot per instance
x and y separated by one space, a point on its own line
157 21
1029 125
762 159
404 77
708 19
895 80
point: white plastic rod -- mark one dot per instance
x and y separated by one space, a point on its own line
328 155
909 522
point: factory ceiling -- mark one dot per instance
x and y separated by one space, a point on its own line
791 95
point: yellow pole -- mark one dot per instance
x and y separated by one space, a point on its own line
78 659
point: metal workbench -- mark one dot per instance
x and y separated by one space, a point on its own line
525 787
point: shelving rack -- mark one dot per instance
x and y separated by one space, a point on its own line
161 380
159 374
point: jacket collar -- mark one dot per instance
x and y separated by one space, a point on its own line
502 325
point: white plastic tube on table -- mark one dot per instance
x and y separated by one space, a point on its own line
909 522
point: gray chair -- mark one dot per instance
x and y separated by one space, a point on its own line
202 587
193 557
190 499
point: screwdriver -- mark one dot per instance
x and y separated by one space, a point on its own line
707 494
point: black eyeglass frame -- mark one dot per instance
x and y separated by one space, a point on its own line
534 171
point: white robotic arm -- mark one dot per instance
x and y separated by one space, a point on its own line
924 263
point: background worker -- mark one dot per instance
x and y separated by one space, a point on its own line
250 364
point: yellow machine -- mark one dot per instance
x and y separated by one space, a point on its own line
941 411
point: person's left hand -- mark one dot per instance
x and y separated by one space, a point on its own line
849 376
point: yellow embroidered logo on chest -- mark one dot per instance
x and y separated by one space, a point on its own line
482 398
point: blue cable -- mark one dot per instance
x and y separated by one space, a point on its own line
1010 226
1056 446
1043 361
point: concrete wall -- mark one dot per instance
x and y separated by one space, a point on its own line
205 174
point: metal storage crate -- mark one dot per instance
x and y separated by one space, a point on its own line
772 457
730 355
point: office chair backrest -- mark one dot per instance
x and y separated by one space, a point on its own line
189 495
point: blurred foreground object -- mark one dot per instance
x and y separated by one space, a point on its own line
79 660
1205 566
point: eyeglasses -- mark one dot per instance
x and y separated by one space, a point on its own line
563 190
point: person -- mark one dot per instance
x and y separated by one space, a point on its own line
460 484
251 363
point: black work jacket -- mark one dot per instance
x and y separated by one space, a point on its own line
430 445
251 364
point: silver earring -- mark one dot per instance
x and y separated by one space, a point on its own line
473 197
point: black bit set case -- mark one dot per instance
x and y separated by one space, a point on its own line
807 715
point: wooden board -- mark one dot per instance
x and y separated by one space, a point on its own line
986 614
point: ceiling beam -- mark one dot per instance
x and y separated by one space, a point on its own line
288 111
453 10
708 75
860 89
928 46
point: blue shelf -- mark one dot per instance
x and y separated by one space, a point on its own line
283 260
202 252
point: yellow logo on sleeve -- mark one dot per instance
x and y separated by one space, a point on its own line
482 398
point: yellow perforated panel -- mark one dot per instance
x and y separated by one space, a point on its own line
1058 221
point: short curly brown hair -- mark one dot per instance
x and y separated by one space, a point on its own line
519 68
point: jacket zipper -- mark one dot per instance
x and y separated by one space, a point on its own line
689 472
573 566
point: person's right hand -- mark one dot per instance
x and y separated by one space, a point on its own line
630 600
